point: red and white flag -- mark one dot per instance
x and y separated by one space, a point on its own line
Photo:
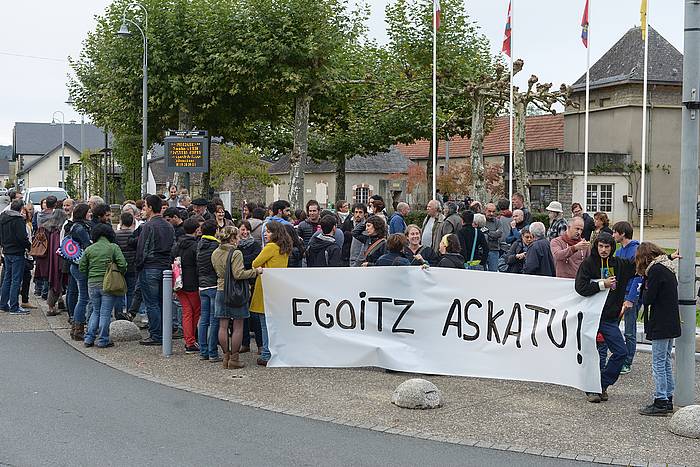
436 12
506 37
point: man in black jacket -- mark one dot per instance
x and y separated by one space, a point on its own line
309 226
15 243
599 272
152 258
323 250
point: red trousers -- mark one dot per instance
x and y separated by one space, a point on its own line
191 309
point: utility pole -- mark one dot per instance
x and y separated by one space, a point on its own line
690 143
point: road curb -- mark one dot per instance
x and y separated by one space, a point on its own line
546 451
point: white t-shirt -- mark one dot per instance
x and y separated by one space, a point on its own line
427 239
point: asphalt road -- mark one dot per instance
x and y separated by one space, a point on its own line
58 407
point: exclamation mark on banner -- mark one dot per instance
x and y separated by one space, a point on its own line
579 357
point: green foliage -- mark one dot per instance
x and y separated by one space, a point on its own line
241 168
540 217
416 217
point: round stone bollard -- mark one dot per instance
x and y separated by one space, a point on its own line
686 422
124 331
417 393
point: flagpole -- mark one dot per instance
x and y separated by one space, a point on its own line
644 125
434 139
588 94
510 123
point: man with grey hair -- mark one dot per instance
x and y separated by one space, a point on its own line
539 260
432 225
569 249
493 232
95 201
15 243
397 223
453 221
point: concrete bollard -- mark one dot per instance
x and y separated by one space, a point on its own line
167 313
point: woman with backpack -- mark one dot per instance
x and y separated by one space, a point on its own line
372 233
472 241
80 234
275 254
95 265
232 294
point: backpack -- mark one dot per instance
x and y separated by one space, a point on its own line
236 292
40 244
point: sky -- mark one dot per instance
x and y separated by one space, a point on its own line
546 35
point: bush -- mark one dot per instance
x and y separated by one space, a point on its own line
541 217
416 217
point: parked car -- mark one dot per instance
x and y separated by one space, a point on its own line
36 194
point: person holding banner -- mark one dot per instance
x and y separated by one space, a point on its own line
450 250
395 245
415 251
275 254
599 272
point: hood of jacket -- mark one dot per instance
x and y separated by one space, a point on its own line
594 249
622 251
664 261
320 242
278 219
10 215
187 241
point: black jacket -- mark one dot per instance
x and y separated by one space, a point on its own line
590 272
155 244
466 242
205 270
428 254
179 231
659 296
539 260
588 226
298 248
392 259
516 265
346 228
186 249
323 252
250 249
306 230
452 260
122 237
13 233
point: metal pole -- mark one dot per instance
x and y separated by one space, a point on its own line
167 313
510 115
685 345
144 169
588 98
434 137
643 195
63 154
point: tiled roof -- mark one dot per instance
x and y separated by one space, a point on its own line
388 162
40 138
624 62
541 132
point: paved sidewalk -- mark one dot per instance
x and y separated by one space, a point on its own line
665 237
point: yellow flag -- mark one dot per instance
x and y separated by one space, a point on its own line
643 18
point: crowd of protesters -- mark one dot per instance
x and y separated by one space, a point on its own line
74 249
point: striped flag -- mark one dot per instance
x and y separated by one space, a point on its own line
584 26
436 11
506 37
643 19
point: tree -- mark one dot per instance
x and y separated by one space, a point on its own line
455 180
241 168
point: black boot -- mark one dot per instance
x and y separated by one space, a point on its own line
669 405
658 408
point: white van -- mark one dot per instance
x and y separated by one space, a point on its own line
36 194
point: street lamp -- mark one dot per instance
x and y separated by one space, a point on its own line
124 32
63 145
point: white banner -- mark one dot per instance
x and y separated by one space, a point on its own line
434 321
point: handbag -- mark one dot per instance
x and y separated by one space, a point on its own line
472 264
177 274
114 282
236 292
70 250
40 244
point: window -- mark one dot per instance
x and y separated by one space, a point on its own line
362 195
599 198
63 161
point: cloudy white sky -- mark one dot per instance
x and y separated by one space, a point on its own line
546 34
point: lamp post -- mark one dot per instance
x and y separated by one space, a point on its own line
62 164
124 32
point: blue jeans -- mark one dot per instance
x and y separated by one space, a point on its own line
492 261
265 354
121 300
208 329
614 341
662 368
603 354
83 302
151 282
102 305
11 282
71 295
631 333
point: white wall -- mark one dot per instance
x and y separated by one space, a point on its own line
46 172
620 188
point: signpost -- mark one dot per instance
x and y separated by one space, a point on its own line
187 151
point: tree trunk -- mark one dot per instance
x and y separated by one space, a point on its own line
520 175
477 150
297 160
429 171
340 180
184 123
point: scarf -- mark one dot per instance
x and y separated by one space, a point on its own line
246 242
209 237
664 261
570 241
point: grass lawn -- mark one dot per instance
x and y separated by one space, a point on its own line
672 250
